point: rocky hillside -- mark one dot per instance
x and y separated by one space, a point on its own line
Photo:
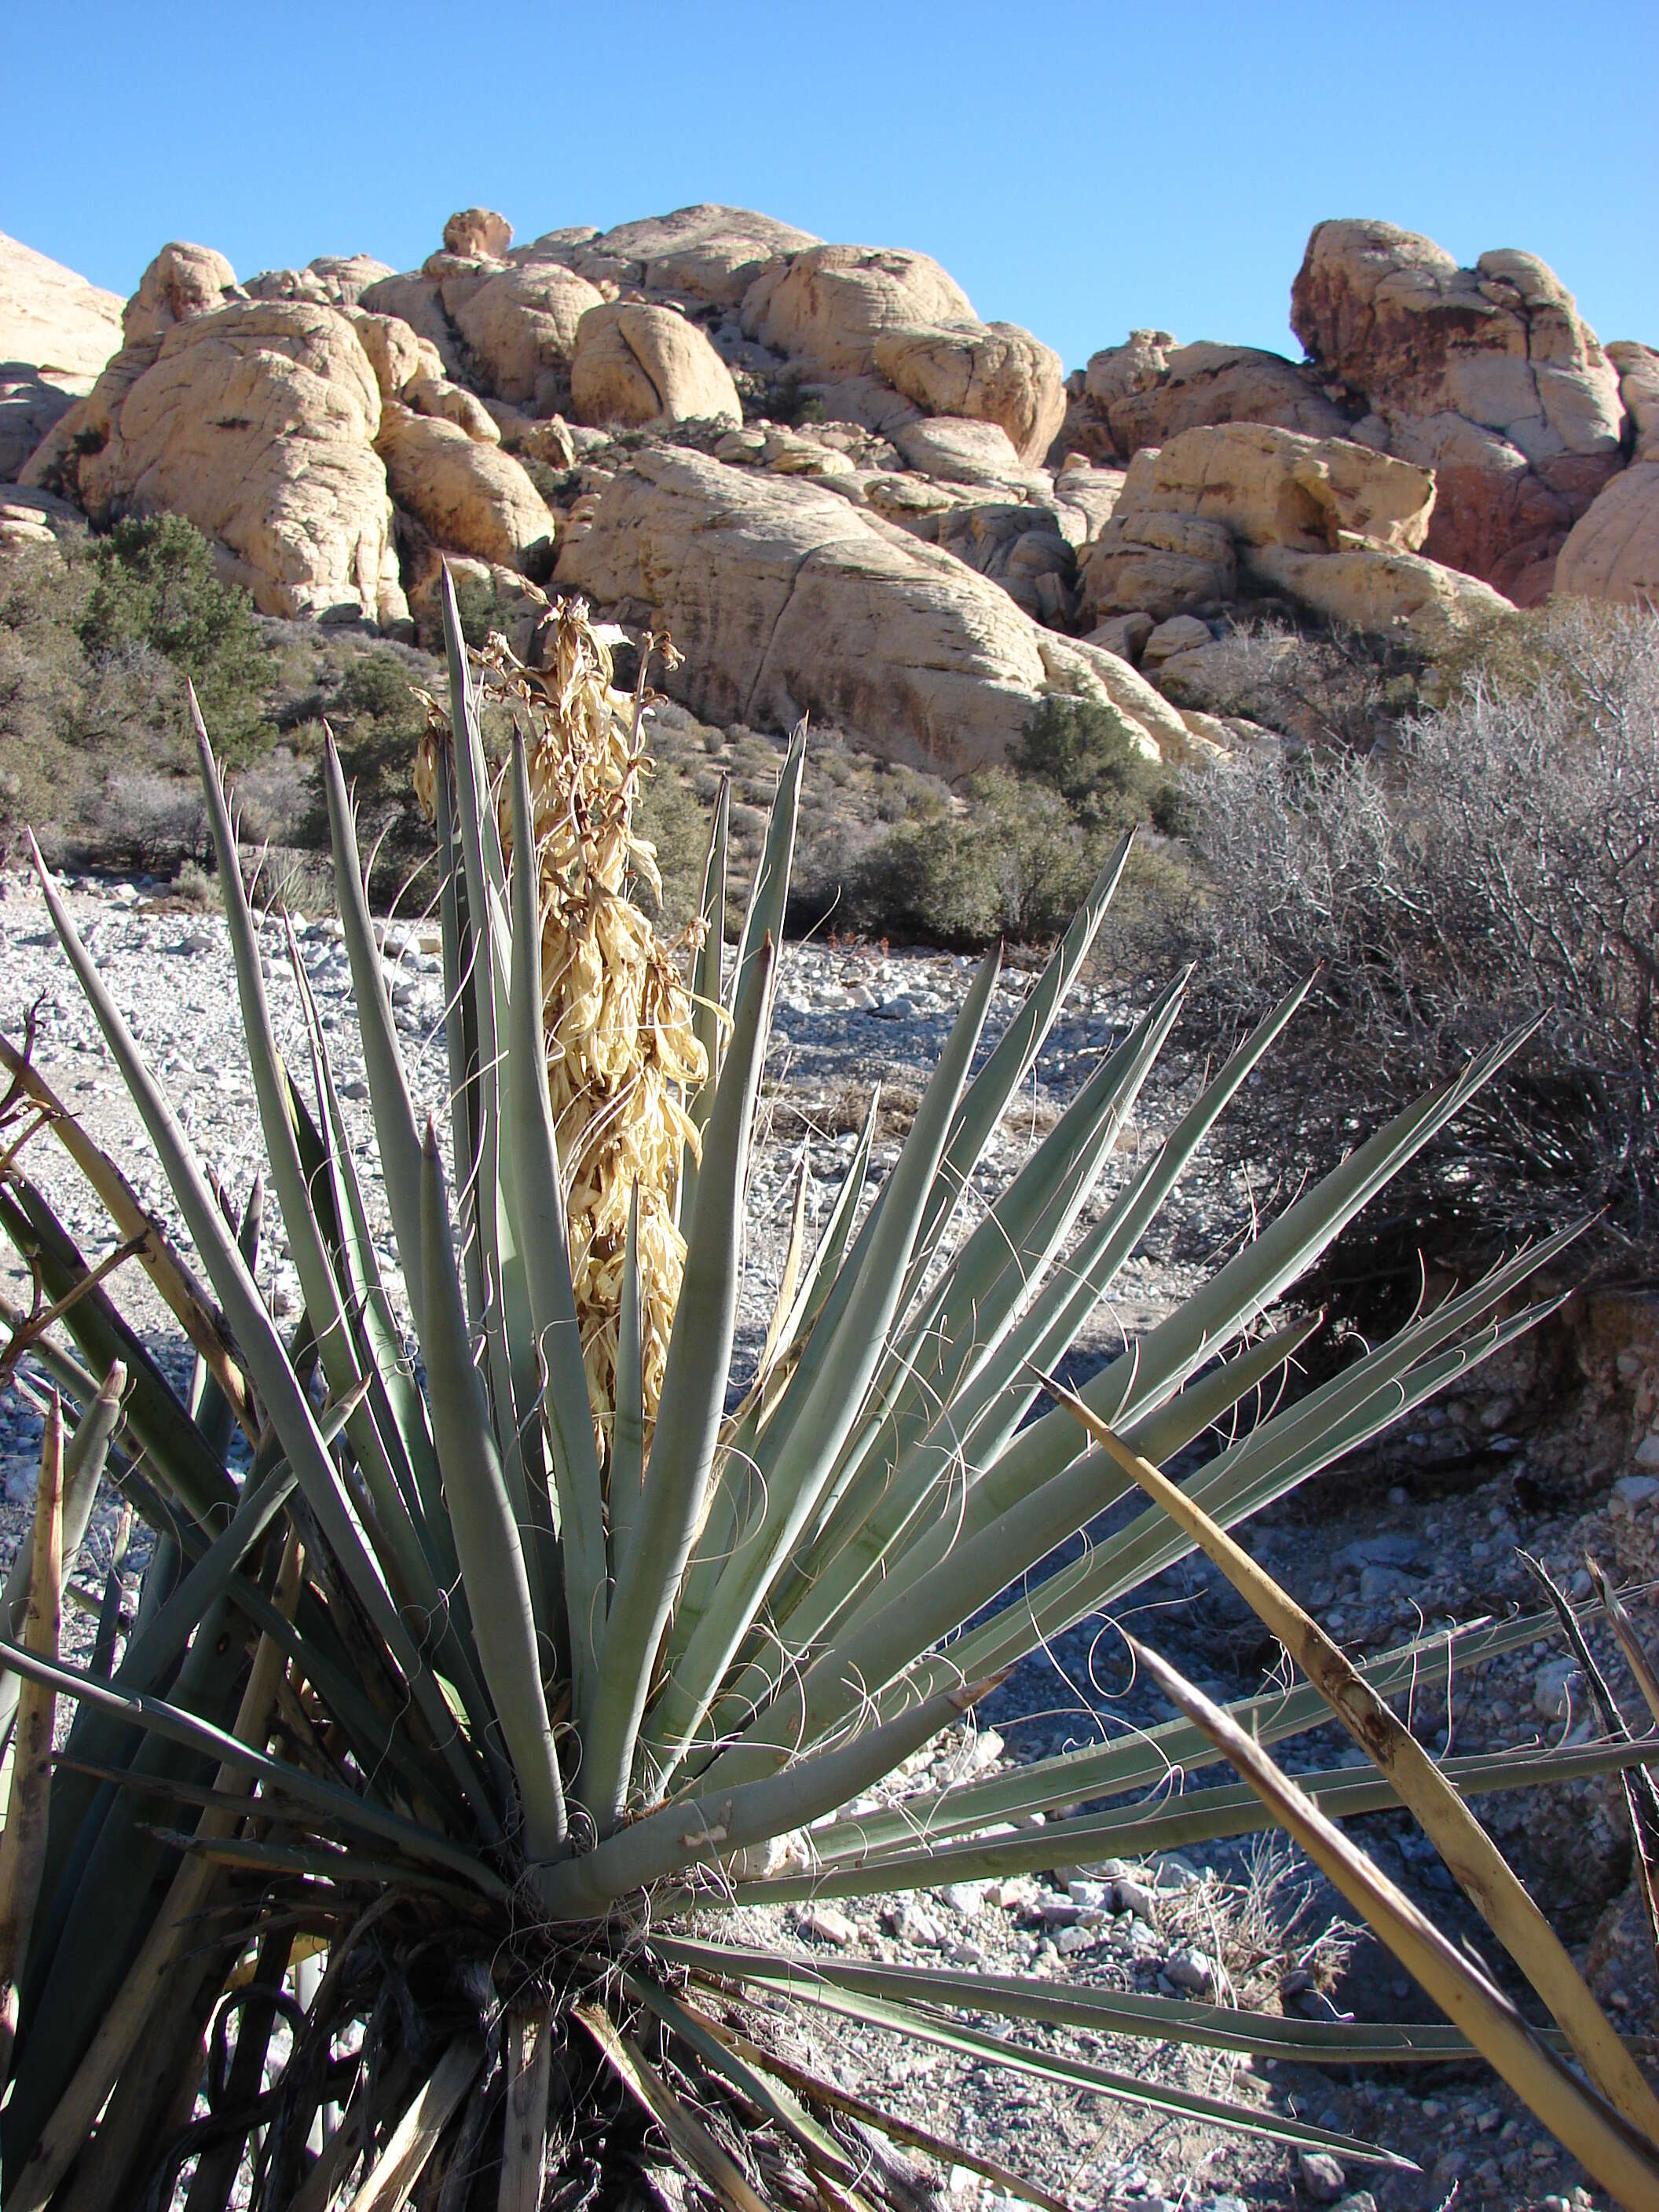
841 491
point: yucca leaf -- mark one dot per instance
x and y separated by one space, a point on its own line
707 983
511 1382
163 1717
689 1411
174 1281
460 1021
689 2137
391 2178
267 1364
1470 1854
768 895
545 1237
829 1407
175 1446
487 1538
82 1471
1281 1455
625 1489
1011 1060
1250 1282
395 1394
1615 2153
1139 1831
785 2114
1080 2004
398 1142
1145 2092
23 1840
1144 1758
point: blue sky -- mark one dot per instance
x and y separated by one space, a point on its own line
1079 169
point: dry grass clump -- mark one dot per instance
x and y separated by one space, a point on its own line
622 1059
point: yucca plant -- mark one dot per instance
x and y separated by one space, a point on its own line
453 1724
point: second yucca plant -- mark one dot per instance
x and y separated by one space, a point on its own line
448 1735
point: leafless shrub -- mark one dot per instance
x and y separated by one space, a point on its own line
147 820
276 799
1495 863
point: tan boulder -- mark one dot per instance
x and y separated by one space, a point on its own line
1274 487
182 283
1487 375
396 354
57 331
635 365
1367 587
1123 635
520 326
1156 564
1129 691
30 521
953 449
470 496
993 373
1612 551
415 299
256 421
829 305
1088 494
1147 390
706 254
451 403
1017 546
785 598
339 280
52 319
1639 395
477 233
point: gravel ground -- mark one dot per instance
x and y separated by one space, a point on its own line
1364 1553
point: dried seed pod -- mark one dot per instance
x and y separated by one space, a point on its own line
621 1058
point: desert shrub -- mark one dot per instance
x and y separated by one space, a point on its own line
156 584
1318 686
147 820
377 721
480 607
674 823
1009 860
1497 864
1078 748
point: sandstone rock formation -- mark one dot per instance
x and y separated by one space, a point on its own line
520 327
1194 512
466 492
852 312
339 280
1144 392
1639 395
397 356
50 317
255 420
55 333
182 283
706 255
634 365
1271 487
1375 587
785 598
477 235
1487 375
1612 551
